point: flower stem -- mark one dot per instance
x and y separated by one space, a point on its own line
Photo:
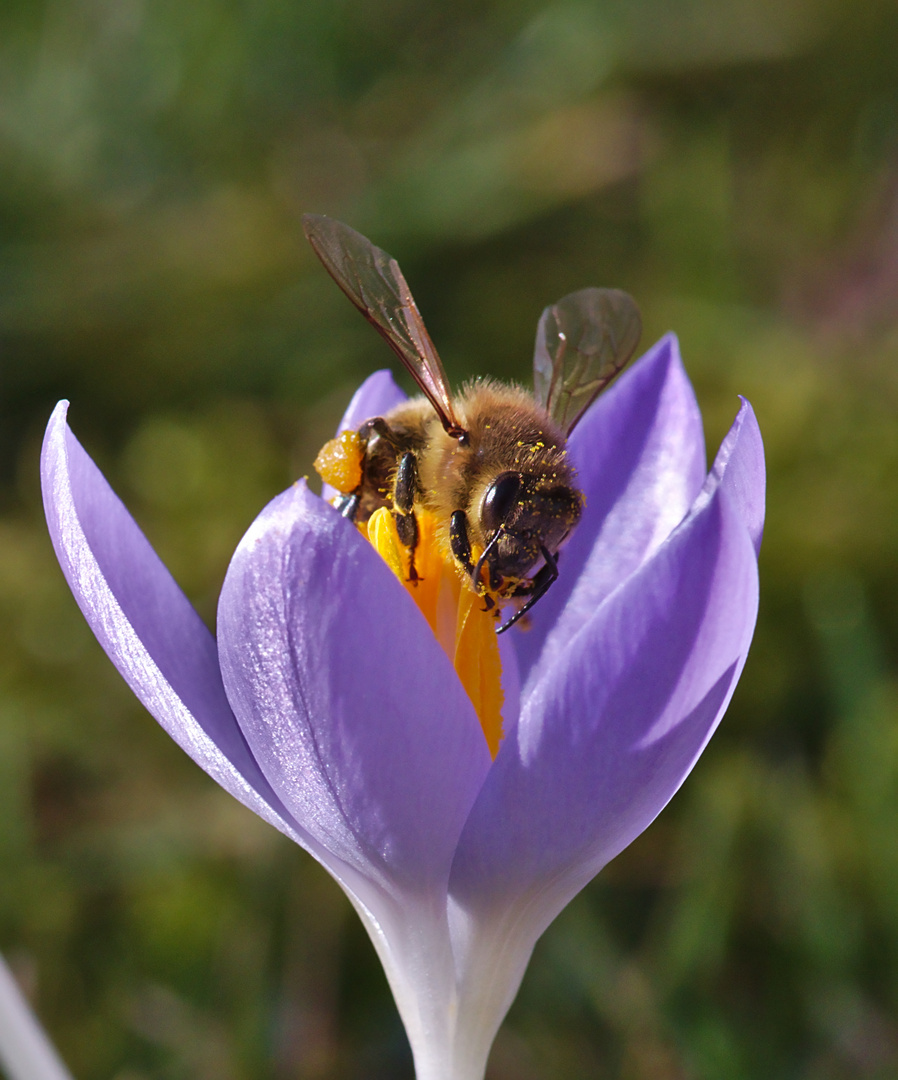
25 1051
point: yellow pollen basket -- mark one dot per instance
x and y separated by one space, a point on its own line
454 612
339 462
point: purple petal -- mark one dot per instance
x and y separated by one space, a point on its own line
612 731
511 684
376 396
739 466
144 622
352 709
640 456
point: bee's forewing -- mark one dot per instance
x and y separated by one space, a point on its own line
374 283
582 342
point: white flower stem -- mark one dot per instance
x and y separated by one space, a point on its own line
25 1051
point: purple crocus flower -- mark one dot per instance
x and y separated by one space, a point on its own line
327 706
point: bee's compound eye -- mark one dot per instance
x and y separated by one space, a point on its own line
500 500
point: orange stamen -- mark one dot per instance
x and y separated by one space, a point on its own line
454 613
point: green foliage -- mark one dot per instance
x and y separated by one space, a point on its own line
731 164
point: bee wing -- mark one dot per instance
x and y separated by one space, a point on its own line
374 283
582 342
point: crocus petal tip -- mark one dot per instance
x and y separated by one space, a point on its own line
740 466
57 419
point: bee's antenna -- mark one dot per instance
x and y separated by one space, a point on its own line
494 539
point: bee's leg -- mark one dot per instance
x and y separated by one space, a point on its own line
538 588
405 489
460 544
348 505
377 428
348 502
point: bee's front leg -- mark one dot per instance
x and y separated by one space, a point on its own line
547 575
460 543
405 488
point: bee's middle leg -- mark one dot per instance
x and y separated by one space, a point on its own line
405 489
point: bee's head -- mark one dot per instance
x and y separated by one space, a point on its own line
525 512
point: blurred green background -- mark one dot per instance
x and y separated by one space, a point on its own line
734 165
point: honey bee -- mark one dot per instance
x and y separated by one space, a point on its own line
491 464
